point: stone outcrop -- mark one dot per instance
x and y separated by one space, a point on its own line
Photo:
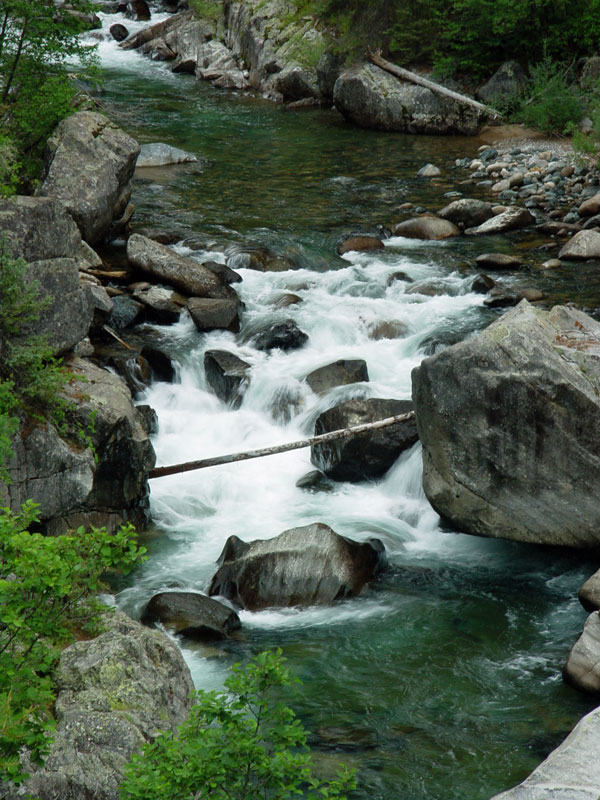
89 163
185 274
38 228
115 693
305 566
362 456
191 614
508 421
571 772
372 98
582 669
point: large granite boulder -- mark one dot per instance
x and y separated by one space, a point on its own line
38 228
191 614
582 669
115 693
89 163
571 772
185 274
508 423
312 565
368 455
372 98
65 310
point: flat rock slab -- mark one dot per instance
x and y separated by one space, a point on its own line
311 565
508 420
571 772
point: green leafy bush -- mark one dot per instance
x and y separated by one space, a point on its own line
239 745
556 105
48 588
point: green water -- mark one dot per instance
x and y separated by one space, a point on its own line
444 681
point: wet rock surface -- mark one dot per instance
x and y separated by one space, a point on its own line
227 375
192 615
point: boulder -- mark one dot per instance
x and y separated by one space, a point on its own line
159 154
224 272
114 693
296 83
590 207
368 455
281 336
340 373
118 32
429 171
426 228
328 71
582 669
589 593
227 375
126 312
89 163
38 229
311 565
359 243
508 81
584 245
161 366
138 10
211 314
191 614
65 312
512 219
372 98
184 273
160 303
498 261
467 212
571 772
507 421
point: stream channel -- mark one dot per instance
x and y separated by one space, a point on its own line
443 680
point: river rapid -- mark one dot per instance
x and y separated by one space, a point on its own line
443 680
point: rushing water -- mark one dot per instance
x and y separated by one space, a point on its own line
443 680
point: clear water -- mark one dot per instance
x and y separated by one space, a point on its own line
443 680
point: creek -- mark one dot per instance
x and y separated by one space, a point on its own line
443 680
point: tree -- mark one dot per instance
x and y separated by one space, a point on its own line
48 588
239 745
37 41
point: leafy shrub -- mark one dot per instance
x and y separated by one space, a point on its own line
239 745
48 588
556 106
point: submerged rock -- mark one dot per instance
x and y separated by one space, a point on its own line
340 373
191 614
362 456
359 243
508 422
311 565
498 261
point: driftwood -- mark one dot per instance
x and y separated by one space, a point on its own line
188 466
405 75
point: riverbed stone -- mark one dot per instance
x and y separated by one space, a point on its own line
571 771
368 455
191 614
429 171
119 32
284 335
431 228
582 669
227 375
114 693
359 243
467 212
211 314
372 98
306 566
513 218
89 162
184 273
589 593
498 261
339 373
584 245
159 154
507 421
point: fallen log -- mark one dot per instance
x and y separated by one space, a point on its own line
406 75
342 433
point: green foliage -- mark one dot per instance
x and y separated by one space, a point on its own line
37 41
9 167
48 588
243 745
207 9
556 105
